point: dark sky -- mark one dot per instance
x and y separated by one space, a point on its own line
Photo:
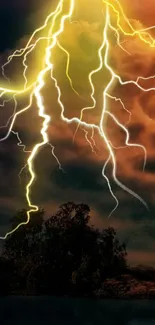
82 179
13 16
14 19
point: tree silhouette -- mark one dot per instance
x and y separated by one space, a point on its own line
77 257
63 255
112 253
23 248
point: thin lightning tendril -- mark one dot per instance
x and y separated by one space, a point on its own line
20 143
91 143
35 88
67 67
56 158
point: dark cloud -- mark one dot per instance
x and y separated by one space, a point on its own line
150 164
135 131
82 175
16 19
13 22
152 139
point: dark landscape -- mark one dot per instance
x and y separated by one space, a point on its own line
77 162
66 256
65 311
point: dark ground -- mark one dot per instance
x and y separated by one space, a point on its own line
64 311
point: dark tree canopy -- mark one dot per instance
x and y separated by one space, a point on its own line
63 255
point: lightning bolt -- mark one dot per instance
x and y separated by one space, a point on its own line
36 92
67 67
90 142
106 91
20 143
142 34
56 21
56 158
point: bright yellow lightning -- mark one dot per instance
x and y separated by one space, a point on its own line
142 34
67 66
36 92
54 19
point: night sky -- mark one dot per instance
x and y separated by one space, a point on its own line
81 178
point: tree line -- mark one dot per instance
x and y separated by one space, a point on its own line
63 255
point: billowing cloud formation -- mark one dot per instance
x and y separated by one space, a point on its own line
81 178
